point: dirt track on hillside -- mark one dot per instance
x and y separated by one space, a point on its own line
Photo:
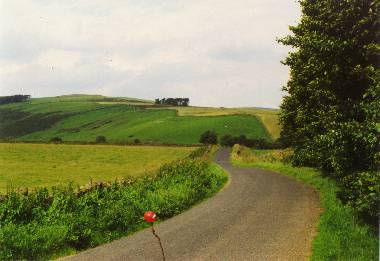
259 215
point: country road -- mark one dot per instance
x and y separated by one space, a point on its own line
259 215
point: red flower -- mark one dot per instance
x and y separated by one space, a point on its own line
150 216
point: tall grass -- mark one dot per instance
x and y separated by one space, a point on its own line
341 235
49 223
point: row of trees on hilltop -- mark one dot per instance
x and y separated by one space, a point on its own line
14 98
332 106
173 101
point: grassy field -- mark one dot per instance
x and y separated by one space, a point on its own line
128 124
268 117
77 118
33 165
340 235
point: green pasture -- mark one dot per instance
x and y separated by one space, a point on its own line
124 123
268 117
35 165
84 117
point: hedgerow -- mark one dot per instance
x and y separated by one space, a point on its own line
49 222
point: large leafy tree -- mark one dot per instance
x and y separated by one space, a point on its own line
332 105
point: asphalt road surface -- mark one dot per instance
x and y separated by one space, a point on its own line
258 215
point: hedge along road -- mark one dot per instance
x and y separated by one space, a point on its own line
259 215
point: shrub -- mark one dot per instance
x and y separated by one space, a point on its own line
137 141
209 137
229 141
56 140
198 153
100 139
362 192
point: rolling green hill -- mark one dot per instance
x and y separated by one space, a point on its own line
84 117
268 117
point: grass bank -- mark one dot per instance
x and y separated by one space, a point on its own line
341 236
51 223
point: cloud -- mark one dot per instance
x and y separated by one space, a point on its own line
217 52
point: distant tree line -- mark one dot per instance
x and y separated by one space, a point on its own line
211 137
14 98
229 141
173 101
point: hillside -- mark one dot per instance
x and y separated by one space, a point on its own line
84 117
268 117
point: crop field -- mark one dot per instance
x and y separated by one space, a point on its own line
34 165
268 117
77 118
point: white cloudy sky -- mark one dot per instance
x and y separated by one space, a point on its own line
217 52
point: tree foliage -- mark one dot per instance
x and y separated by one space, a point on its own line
173 101
209 137
56 140
101 139
229 141
14 98
330 113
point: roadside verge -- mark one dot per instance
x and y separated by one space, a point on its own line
340 235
